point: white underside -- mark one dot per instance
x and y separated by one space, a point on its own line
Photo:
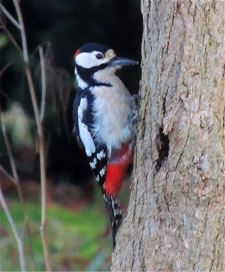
112 107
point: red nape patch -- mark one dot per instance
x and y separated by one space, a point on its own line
77 52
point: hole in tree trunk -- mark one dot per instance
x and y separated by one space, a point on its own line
162 142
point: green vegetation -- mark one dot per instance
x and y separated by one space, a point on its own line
75 238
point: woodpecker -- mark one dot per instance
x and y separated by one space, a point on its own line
104 116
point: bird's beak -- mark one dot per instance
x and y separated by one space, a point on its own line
118 62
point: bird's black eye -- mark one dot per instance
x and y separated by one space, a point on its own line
99 56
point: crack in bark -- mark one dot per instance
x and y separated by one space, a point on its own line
171 27
184 147
215 241
133 255
200 237
141 250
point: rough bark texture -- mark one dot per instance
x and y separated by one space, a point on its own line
176 214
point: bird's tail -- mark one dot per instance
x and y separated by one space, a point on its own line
109 177
115 214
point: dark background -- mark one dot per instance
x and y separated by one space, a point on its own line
61 27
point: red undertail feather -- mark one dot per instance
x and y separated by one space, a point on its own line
116 169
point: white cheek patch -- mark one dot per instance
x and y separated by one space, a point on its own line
88 59
85 135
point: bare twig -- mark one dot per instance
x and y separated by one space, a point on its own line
22 32
19 241
42 170
15 180
3 170
4 69
40 135
10 36
43 82
10 17
9 150
11 159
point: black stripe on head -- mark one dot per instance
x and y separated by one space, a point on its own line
87 74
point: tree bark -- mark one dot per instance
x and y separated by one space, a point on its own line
176 215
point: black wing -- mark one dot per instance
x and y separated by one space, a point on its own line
97 153
87 116
83 130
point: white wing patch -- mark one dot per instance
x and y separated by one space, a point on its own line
93 163
85 135
102 171
101 155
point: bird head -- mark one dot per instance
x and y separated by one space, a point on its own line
95 62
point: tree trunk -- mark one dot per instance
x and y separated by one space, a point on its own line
176 213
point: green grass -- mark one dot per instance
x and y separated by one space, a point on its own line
74 237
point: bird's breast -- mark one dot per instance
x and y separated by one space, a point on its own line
111 110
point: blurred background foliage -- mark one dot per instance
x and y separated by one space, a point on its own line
75 208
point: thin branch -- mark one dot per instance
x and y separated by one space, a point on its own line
43 82
15 231
11 160
9 150
10 36
4 69
15 180
10 17
39 130
40 136
43 172
22 32
5 173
